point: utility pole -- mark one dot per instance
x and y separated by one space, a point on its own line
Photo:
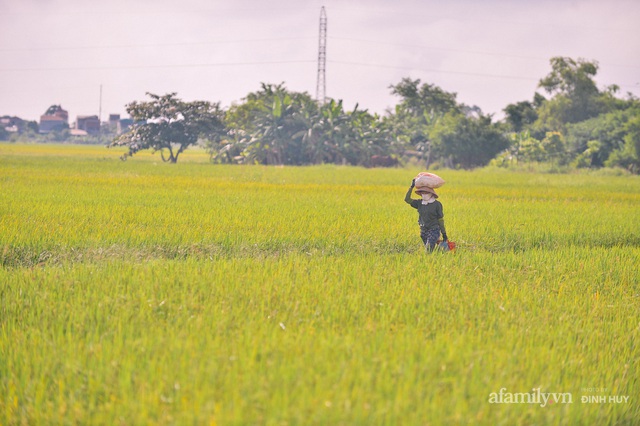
100 118
321 85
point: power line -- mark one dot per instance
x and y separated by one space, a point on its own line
474 74
448 49
302 61
146 12
433 70
128 46
278 39
122 67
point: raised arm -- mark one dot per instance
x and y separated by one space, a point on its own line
407 198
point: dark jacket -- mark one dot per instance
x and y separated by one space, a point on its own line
430 216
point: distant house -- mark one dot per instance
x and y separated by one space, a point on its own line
55 118
114 123
124 124
12 124
119 125
77 132
88 123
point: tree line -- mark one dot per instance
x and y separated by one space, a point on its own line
576 124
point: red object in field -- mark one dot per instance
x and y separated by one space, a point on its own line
450 245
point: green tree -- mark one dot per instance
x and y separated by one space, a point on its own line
520 115
553 147
370 136
431 122
571 78
575 95
267 128
468 142
420 108
592 141
61 134
417 100
628 155
325 135
168 124
522 147
277 126
345 137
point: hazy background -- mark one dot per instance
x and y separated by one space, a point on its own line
491 53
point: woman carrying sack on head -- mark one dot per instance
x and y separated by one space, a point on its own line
430 214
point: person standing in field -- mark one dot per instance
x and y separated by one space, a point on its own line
430 215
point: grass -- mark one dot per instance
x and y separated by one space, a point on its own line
143 293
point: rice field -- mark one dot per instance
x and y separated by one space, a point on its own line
145 293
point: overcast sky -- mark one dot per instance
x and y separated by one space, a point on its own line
490 52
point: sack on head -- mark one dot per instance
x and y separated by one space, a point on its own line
428 180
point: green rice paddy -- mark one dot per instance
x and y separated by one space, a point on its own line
145 293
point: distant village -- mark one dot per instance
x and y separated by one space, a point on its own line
56 120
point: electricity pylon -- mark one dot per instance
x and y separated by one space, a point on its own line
321 86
